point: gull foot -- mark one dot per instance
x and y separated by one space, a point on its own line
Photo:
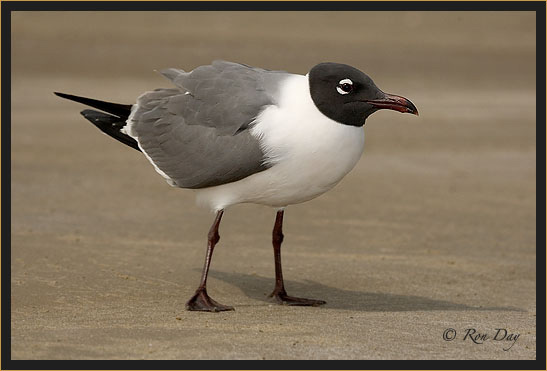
202 302
282 298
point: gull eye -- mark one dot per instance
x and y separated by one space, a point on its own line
345 86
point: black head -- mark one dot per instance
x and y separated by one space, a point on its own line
348 96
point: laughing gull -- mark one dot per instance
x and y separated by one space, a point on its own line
240 134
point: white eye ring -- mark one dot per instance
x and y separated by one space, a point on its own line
345 86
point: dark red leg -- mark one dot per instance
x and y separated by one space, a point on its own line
279 291
201 301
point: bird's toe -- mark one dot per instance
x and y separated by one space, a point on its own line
202 302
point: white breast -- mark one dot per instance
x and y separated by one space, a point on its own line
310 153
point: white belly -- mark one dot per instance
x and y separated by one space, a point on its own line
310 154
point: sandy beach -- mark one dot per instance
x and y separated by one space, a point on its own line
434 229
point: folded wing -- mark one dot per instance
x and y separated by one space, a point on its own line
197 134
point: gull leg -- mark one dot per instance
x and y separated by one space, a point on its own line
201 301
279 291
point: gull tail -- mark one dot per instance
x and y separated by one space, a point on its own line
110 123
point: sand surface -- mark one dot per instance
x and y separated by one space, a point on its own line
433 229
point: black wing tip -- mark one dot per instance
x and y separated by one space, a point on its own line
62 95
120 110
89 112
75 98
110 125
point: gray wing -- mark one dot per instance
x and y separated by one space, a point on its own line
197 135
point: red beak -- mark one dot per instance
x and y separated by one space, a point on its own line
394 102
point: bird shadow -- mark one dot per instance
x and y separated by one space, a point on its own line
258 288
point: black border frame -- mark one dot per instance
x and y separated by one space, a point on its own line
272 5
539 7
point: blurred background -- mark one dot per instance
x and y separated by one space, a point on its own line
434 227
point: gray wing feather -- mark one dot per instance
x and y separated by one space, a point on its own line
197 134
224 95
